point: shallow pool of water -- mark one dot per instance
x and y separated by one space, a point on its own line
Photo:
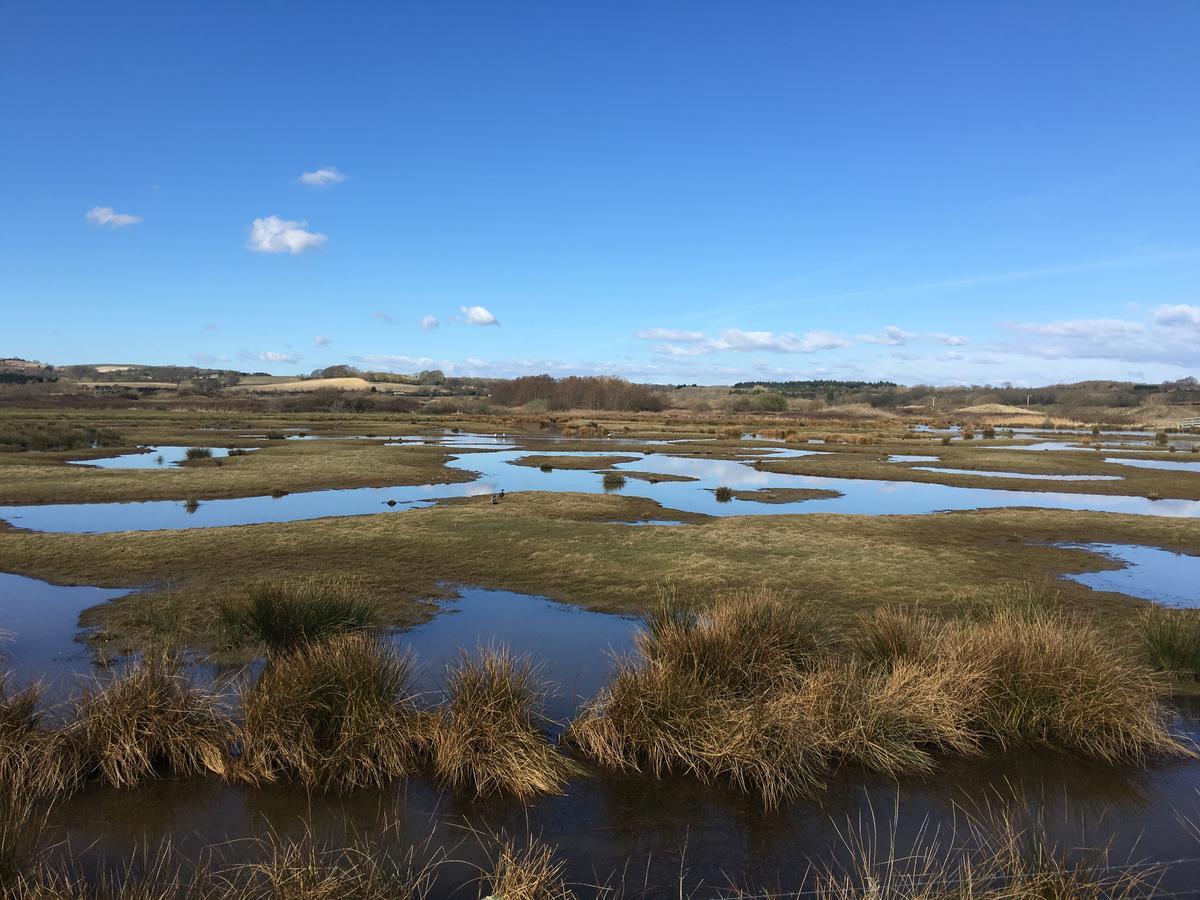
911 457
496 472
149 458
42 622
1166 577
1168 465
574 648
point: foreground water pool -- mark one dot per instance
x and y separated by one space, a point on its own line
496 472
39 624
654 836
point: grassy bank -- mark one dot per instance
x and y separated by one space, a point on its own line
286 466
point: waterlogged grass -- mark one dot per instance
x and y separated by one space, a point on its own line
1171 640
758 692
147 722
564 546
335 714
282 615
284 465
41 437
198 453
488 739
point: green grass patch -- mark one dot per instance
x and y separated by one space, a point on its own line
281 615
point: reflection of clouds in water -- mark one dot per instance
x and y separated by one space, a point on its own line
1149 572
987 473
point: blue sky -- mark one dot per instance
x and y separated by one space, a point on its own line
695 192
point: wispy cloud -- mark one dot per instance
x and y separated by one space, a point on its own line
321 340
323 177
1170 335
674 335
950 340
385 317
477 315
208 359
272 234
891 335
696 343
268 356
428 323
107 217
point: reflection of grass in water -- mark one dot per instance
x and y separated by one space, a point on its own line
753 690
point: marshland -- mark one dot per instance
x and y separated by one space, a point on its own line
680 451
412 653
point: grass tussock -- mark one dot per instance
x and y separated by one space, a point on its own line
754 690
43 437
996 859
35 763
286 870
333 714
1170 639
284 615
530 872
613 481
198 453
487 739
148 721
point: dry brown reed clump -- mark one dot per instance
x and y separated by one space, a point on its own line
532 872
150 720
487 737
288 870
334 714
754 690
996 859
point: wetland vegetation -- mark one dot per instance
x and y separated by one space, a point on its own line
772 649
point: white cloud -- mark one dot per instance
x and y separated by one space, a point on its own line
1169 336
952 356
891 335
749 341
1086 329
1179 314
478 315
107 216
695 343
275 235
386 318
321 340
428 323
323 177
670 334
268 356
950 340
